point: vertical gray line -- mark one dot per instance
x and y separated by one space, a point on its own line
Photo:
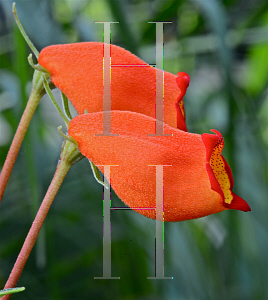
159 80
159 263
159 226
107 228
159 193
106 79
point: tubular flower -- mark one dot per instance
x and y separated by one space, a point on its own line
77 70
197 181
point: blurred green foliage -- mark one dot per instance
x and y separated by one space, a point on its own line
223 45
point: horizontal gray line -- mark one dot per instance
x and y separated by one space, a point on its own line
137 208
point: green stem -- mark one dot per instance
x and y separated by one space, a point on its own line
36 67
36 53
35 97
67 137
51 96
69 156
65 105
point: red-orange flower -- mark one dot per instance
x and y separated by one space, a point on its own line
77 70
197 180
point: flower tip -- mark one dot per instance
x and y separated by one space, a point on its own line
238 203
183 81
217 132
184 76
219 172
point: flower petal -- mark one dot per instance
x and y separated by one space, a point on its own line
187 186
183 81
238 203
77 70
220 173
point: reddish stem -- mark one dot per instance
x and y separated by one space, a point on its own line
35 97
62 169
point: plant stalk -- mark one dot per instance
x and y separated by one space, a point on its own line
36 94
69 156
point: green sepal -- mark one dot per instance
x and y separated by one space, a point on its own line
65 105
97 175
24 34
11 291
54 101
